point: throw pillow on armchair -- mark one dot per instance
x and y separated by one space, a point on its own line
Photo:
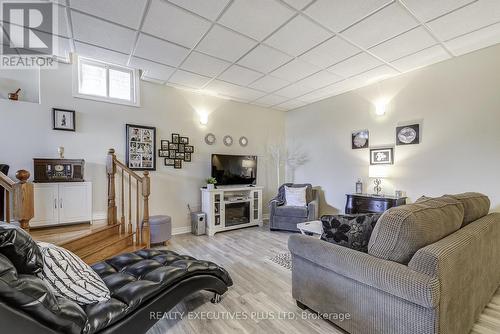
352 231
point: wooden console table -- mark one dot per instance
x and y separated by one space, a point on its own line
366 203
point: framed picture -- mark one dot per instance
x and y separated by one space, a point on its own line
63 119
173 146
140 148
181 148
163 154
175 138
382 156
177 163
164 145
184 140
187 157
360 139
169 162
408 134
179 155
171 154
189 149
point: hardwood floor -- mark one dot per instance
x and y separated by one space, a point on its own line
61 234
262 288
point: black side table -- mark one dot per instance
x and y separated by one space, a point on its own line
366 203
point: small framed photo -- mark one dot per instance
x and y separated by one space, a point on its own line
175 138
165 145
181 148
63 119
177 163
360 139
171 154
173 146
408 134
382 156
179 155
169 162
184 140
189 149
163 154
187 157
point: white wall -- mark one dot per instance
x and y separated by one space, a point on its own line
458 103
26 132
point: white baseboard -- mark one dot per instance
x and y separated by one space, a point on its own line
181 230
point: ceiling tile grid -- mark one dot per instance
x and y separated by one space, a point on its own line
276 53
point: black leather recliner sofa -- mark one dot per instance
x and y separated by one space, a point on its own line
140 283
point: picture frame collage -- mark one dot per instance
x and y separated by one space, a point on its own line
175 151
141 145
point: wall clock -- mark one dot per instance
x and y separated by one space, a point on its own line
210 139
228 140
243 141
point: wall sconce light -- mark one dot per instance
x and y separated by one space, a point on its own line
203 118
381 107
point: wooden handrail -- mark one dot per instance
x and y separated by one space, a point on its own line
22 198
143 189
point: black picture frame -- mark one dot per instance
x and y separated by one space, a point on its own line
181 148
163 153
164 145
140 147
382 156
188 148
184 140
169 162
179 155
171 154
177 164
60 121
187 157
175 138
360 139
408 134
173 146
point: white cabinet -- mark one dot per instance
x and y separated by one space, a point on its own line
62 203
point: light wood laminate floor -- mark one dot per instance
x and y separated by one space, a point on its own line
261 290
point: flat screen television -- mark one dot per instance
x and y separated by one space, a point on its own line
234 169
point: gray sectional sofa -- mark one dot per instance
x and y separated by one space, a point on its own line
431 267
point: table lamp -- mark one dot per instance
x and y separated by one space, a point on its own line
378 173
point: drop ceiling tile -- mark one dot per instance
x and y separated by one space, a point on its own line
292 104
320 79
389 22
188 79
97 53
173 24
206 8
410 42
234 91
467 19
264 59
476 40
339 14
269 84
330 52
426 10
270 100
298 4
423 58
298 36
205 65
375 75
94 31
160 51
316 95
225 44
355 65
253 18
294 90
126 12
246 94
152 70
240 75
295 70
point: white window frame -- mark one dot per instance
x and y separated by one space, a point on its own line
134 85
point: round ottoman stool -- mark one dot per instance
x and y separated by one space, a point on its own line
160 229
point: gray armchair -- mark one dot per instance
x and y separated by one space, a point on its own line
284 217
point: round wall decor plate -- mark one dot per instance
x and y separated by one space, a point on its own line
407 135
243 141
228 140
210 139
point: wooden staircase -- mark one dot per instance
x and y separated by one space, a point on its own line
127 232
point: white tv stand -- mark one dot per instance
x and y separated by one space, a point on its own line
228 208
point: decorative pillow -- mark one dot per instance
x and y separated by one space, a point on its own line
295 196
70 277
352 231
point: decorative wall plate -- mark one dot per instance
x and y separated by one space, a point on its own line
360 139
243 141
407 135
210 139
228 140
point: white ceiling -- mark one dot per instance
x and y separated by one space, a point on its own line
282 54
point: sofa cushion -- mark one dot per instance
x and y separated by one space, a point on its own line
18 246
476 205
70 277
352 231
291 211
403 230
280 198
295 196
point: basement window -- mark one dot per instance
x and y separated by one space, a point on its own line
105 82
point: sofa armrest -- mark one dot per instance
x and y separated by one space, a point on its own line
313 210
390 277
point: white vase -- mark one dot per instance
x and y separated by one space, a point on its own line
210 186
